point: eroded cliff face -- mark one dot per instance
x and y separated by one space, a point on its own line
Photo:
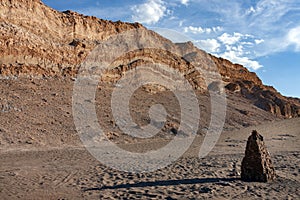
36 40
238 79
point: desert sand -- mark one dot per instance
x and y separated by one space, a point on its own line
42 156
72 173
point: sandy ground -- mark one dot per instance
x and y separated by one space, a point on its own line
72 173
41 156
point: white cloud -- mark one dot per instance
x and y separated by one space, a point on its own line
237 58
293 37
185 2
270 7
239 49
200 30
150 12
270 20
209 45
271 17
228 39
247 43
217 29
257 41
236 49
196 30
250 10
282 43
181 23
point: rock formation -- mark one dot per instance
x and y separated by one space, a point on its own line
257 165
239 80
36 40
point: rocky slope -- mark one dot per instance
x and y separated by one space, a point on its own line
240 80
36 40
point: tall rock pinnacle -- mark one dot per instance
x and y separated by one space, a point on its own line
257 165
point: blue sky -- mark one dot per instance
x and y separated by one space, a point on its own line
262 35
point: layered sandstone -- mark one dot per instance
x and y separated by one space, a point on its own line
239 80
36 40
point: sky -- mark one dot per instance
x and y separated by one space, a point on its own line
262 35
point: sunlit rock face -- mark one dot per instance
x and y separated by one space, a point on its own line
36 40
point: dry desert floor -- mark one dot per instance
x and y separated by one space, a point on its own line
41 157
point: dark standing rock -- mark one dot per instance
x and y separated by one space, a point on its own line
257 165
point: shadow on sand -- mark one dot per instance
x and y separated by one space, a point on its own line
221 181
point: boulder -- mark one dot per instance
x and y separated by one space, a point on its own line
257 165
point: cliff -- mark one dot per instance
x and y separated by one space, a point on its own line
36 40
